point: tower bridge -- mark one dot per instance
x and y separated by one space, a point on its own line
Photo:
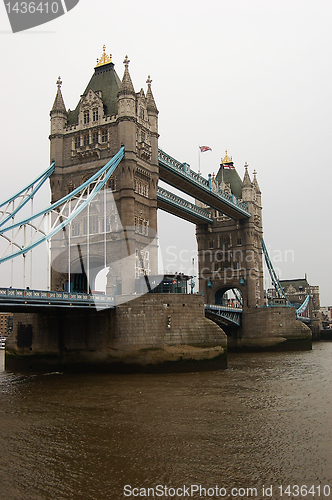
105 168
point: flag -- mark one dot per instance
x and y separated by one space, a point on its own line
204 148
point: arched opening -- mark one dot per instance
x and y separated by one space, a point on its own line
228 297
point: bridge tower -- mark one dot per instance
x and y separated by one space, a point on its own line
230 251
109 114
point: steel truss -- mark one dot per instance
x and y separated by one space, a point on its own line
55 217
8 209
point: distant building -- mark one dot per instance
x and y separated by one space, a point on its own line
297 291
326 317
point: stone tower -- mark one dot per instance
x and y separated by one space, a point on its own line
230 251
109 114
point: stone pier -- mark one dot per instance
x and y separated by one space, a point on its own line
155 332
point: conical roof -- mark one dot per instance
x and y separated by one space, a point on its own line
255 183
246 178
59 104
106 80
151 104
126 86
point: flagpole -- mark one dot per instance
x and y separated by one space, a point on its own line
199 160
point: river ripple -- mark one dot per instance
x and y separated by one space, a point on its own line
266 420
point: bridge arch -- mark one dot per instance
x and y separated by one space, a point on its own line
219 288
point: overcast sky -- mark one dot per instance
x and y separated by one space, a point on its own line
250 76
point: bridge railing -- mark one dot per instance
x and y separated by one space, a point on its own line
184 170
14 296
216 307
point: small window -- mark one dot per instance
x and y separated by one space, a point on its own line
86 140
93 226
77 142
104 136
95 115
86 117
94 137
111 184
141 113
211 244
75 229
239 242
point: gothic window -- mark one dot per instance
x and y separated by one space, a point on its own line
95 138
141 113
93 224
95 115
85 226
75 229
86 139
141 188
211 244
239 242
77 142
143 137
86 117
104 136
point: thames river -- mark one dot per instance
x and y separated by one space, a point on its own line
260 429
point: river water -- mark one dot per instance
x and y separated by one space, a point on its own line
266 421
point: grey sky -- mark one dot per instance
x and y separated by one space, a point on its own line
253 77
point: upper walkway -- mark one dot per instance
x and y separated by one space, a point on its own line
183 178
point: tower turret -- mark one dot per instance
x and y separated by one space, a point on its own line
246 186
153 119
127 111
59 117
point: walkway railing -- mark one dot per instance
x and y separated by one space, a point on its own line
16 296
183 205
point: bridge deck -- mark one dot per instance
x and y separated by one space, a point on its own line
12 298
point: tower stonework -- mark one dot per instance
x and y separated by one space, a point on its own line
109 114
230 251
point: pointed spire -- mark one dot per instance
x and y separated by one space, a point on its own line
126 86
59 104
255 183
246 179
151 104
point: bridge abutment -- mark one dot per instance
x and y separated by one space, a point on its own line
270 329
155 332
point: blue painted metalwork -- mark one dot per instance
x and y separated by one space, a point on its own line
182 170
231 314
304 305
19 297
183 205
300 310
26 194
274 278
238 296
79 197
